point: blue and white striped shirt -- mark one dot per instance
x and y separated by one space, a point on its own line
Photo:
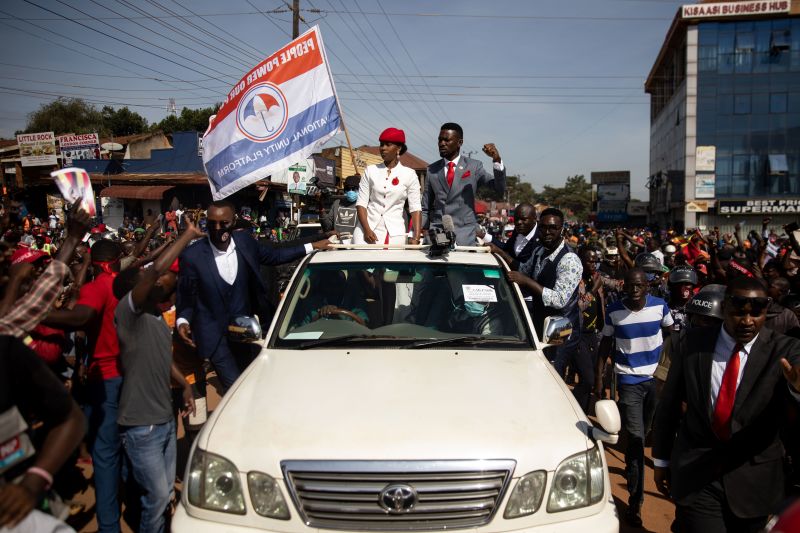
638 336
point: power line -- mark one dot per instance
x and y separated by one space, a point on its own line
258 54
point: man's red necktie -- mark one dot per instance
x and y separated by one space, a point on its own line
721 423
451 173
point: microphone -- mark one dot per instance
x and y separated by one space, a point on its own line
447 224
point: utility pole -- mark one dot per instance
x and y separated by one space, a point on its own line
295 19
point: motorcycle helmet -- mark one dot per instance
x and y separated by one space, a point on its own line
682 274
648 263
707 302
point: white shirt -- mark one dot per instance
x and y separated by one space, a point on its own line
497 166
227 261
523 240
722 354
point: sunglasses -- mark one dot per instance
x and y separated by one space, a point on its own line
757 305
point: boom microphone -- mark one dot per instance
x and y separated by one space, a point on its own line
447 224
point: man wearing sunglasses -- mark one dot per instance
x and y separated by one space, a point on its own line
717 448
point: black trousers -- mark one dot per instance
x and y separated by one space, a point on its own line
709 513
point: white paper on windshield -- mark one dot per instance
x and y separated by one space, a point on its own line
479 293
303 335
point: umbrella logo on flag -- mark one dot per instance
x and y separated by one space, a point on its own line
262 113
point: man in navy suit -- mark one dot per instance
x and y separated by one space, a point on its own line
519 247
219 280
452 183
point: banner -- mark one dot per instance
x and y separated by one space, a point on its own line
37 149
277 114
81 146
75 186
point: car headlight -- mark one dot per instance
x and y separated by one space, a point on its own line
266 496
527 495
214 484
578 482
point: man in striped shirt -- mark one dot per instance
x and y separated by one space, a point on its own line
636 324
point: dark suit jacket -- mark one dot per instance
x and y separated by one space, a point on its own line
526 252
201 294
750 464
458 201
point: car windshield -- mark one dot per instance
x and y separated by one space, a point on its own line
408 305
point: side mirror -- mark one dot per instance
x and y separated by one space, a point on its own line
556 329
608 417
244 329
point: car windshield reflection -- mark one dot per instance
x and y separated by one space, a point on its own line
401 305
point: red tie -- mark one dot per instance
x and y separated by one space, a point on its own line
721 422
451 173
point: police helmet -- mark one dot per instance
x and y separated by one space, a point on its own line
682 274
708 302
648 263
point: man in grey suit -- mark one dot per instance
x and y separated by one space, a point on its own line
453 181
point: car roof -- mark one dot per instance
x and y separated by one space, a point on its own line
402 256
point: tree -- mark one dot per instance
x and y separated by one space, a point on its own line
574 197
122 122
65 115
188 120
517 192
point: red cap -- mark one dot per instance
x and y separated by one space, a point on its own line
393 135
26 255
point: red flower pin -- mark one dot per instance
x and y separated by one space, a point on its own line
466 175
395 181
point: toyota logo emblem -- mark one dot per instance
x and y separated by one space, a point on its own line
398 499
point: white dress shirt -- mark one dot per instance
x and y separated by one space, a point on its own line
496 166
522 240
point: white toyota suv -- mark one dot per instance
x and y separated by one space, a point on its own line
400 391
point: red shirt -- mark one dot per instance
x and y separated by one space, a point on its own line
102 333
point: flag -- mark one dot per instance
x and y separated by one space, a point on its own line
277 115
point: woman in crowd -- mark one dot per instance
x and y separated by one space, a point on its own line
382 193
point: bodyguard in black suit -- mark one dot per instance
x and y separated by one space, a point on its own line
525 237
220 279
717 448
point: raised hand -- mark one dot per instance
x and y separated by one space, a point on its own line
491 150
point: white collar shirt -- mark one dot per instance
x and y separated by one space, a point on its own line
227 261
722 353
522 240
447 163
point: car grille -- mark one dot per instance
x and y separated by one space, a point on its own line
348 494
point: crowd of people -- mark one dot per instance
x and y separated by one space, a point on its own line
107 336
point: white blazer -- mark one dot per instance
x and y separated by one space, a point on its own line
384 194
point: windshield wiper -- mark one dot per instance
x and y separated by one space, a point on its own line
343 338
464 339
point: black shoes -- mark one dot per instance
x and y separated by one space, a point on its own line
633 516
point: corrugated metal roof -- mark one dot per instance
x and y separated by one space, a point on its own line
136 192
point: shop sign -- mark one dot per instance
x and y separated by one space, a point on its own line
37 149
705 158
758 207
704 186
613 192
734 9
81 146
616 176
698 206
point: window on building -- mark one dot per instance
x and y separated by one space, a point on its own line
745 43
741 104
777 102
781 41
778 164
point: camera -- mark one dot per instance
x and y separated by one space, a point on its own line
441 241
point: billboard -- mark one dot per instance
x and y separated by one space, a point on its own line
80 146
735 9
37 149
613 192
704 186
614 176
705 159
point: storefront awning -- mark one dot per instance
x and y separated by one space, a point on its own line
136 192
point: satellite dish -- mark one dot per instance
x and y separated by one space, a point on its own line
111 147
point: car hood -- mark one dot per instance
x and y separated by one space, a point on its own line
397 405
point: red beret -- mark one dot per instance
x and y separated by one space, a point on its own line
26 255
393 135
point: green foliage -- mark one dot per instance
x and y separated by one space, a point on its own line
188 120
122 121
574 198
65 115
73 115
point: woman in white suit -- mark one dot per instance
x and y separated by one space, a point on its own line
383 192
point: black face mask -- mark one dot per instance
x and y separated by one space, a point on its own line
219 236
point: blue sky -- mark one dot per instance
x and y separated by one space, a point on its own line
556 85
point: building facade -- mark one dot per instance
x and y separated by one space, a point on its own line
725 116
